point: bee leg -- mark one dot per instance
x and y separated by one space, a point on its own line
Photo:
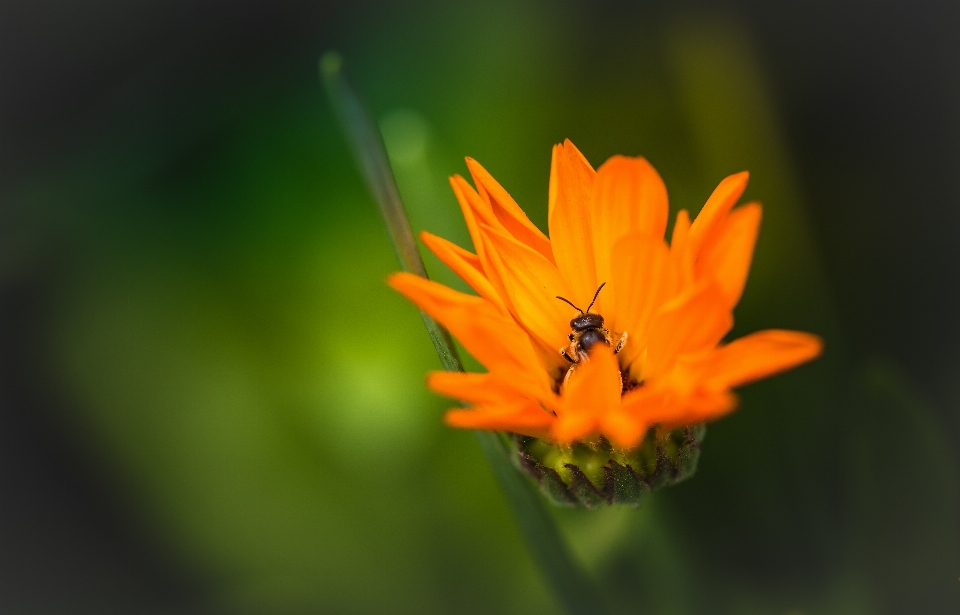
568 375
563 353
623 340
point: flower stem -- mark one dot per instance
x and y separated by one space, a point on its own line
572 588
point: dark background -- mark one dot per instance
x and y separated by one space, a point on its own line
180 219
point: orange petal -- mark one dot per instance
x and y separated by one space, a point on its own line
487 333
465 264
716 208
483 389
471 387
532 284
624 429
726 259
476 211
694 322
703 407
643 282
681 231
759 355
592 393
526 418
681 255
507 212
628 196
569 427
571 228
665 408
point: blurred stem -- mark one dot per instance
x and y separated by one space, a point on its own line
368 150
567 580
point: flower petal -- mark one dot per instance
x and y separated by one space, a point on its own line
592 392
666 408
624 429
681 231
476 211
484 389
507 212
571 227
526 418
694 322
644 283
726 258
628 196
465 264
491 336
759 355
716 208
681 255
532 284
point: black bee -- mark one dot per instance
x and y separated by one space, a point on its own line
588 330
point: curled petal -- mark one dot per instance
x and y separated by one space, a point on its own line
715 210
680 238
507 212
477 212
726 258
681 254
474 208
491 336
531 283
465 264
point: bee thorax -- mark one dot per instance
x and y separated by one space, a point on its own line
591 337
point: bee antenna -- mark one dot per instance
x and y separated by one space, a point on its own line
595 295
571 304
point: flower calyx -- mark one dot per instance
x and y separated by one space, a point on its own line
595 474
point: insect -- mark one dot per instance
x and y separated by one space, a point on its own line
588 330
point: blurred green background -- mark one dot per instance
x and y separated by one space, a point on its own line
212 403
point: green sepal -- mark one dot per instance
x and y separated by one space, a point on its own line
585 491
595 474
627 488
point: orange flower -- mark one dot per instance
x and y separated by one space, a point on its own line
654 359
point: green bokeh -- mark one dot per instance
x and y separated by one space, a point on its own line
243 375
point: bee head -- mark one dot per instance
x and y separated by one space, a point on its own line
586 321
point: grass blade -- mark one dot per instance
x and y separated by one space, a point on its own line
570 585
371 157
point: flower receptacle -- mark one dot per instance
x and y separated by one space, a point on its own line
596 474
